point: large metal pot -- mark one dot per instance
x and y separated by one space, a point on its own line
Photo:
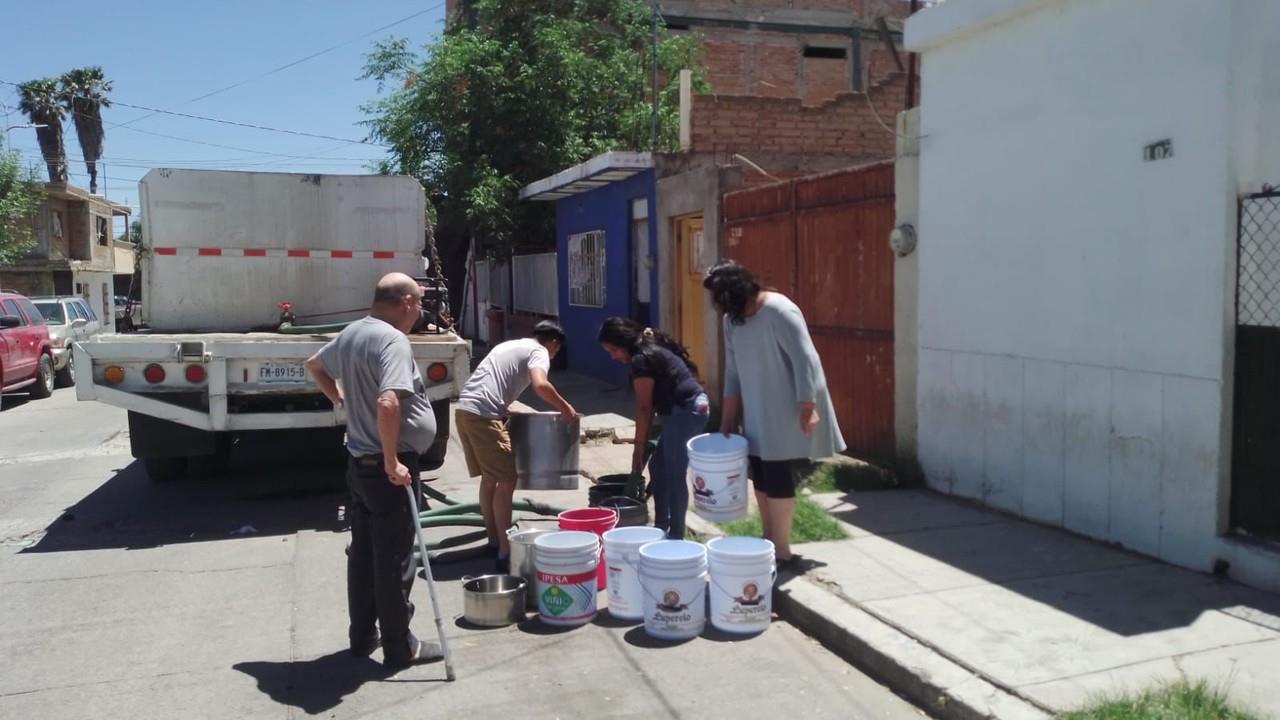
546 451
521 542
493 600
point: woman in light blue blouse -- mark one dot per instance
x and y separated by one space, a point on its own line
774 386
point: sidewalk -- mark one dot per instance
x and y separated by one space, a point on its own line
972 613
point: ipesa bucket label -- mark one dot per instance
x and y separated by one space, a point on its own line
566 598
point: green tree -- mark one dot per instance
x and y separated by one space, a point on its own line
20 196
519 92
41 100
84 94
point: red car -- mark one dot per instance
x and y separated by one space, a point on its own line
26 354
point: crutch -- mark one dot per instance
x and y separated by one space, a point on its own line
431 586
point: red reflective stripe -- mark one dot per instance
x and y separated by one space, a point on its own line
255 252
299 253
209 251
340 253
166 251
383 255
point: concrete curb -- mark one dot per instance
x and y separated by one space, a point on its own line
924 676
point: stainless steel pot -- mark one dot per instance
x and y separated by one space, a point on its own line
522 559
546 451
493 600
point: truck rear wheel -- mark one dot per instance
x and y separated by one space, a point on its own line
165 469
433 458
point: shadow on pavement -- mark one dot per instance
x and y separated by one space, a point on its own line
13 401
278 484
637 637
314 686
921 536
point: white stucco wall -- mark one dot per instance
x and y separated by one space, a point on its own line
1075 309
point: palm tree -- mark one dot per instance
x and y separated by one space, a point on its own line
41 101
84 94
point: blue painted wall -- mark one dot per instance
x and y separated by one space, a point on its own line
606 208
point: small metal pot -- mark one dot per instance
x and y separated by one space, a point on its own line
493 600
522 558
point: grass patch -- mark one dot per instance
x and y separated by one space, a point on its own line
811 524
1177 701
830 476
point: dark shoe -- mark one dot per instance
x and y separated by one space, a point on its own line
491 550
366 648
794 564
422 652
503 565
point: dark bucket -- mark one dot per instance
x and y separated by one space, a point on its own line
603 490
631 512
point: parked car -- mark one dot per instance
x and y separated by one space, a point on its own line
71 320
26 353
127 312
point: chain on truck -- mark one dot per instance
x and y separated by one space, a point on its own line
244 276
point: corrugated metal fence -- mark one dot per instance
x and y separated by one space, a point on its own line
823 241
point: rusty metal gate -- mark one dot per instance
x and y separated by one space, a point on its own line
1255 476
823 242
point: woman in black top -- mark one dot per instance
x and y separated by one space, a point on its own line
665 382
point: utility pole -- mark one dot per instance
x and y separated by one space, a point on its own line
653 42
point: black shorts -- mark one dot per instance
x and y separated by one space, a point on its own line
775 478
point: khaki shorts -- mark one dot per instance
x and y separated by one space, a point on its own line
487 447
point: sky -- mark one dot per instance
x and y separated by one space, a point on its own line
165 53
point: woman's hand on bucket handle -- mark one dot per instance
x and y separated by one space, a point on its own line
808 417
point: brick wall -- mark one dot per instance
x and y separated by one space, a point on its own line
845 125
774 63
888 8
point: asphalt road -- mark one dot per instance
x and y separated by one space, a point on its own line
223 597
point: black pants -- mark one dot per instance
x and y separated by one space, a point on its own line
380 567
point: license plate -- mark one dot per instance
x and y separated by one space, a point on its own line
282 373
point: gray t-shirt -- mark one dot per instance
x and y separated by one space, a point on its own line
770 362
502 376
370 357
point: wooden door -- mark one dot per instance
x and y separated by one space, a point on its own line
691 295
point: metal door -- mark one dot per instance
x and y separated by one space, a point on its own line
823 241
1255 477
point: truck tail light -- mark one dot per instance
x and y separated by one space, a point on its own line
194 373
153 374
437 372
114 374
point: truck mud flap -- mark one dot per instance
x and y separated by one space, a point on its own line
156 438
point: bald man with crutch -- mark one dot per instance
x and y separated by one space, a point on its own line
389 425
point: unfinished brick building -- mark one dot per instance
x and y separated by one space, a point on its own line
807 49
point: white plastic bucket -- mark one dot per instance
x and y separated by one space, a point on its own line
742 572
673 578
622 558
718 476
565 562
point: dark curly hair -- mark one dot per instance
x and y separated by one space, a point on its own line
640 340
732 287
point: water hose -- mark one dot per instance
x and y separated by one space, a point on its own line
291 329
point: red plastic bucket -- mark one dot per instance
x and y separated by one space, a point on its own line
591 519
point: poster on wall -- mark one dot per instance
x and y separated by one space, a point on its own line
586 269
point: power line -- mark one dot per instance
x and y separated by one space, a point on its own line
223 122
243 124
207 161
299 61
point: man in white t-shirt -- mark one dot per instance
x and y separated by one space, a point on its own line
482 410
